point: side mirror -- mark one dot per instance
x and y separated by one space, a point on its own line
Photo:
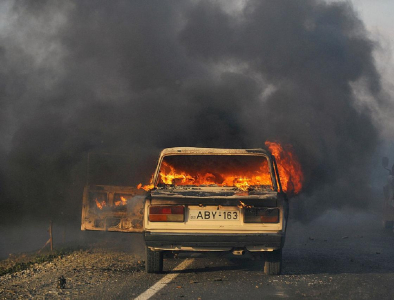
385 162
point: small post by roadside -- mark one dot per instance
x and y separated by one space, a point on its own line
50 241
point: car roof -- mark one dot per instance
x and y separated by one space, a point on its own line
213 151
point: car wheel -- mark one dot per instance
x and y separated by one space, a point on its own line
273 262
153 261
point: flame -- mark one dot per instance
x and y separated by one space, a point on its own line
101 204
288 166
169 175
145 187
290 172
242 205
122 201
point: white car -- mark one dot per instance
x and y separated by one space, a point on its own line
205 199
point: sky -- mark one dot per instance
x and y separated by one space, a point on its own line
377 16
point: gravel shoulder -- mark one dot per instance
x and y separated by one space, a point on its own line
91 267
85 272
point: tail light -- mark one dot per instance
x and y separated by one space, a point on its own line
171 213
261 215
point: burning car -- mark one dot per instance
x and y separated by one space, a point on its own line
204 199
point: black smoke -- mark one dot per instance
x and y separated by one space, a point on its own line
133 77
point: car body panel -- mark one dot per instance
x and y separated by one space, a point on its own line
124 217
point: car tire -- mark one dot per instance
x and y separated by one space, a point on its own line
273 262
153 261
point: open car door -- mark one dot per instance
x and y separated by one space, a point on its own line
111 201
112 208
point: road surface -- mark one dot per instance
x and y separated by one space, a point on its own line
339 256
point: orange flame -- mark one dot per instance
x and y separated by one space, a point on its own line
145 187
288 166
290 172
122 201
169 175
101 204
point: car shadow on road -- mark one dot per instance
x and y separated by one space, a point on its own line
209 269
217 262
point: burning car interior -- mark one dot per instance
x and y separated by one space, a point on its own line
243 172
235 171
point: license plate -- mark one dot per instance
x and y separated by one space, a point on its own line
213 215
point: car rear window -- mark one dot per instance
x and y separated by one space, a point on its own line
241 171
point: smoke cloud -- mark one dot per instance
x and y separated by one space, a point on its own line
133 77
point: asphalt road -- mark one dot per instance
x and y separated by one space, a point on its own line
339 256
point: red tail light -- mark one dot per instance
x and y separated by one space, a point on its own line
261 215
167 213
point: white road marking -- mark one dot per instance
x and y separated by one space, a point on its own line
164 281
280 291
281 294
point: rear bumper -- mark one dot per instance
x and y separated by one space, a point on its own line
181 241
